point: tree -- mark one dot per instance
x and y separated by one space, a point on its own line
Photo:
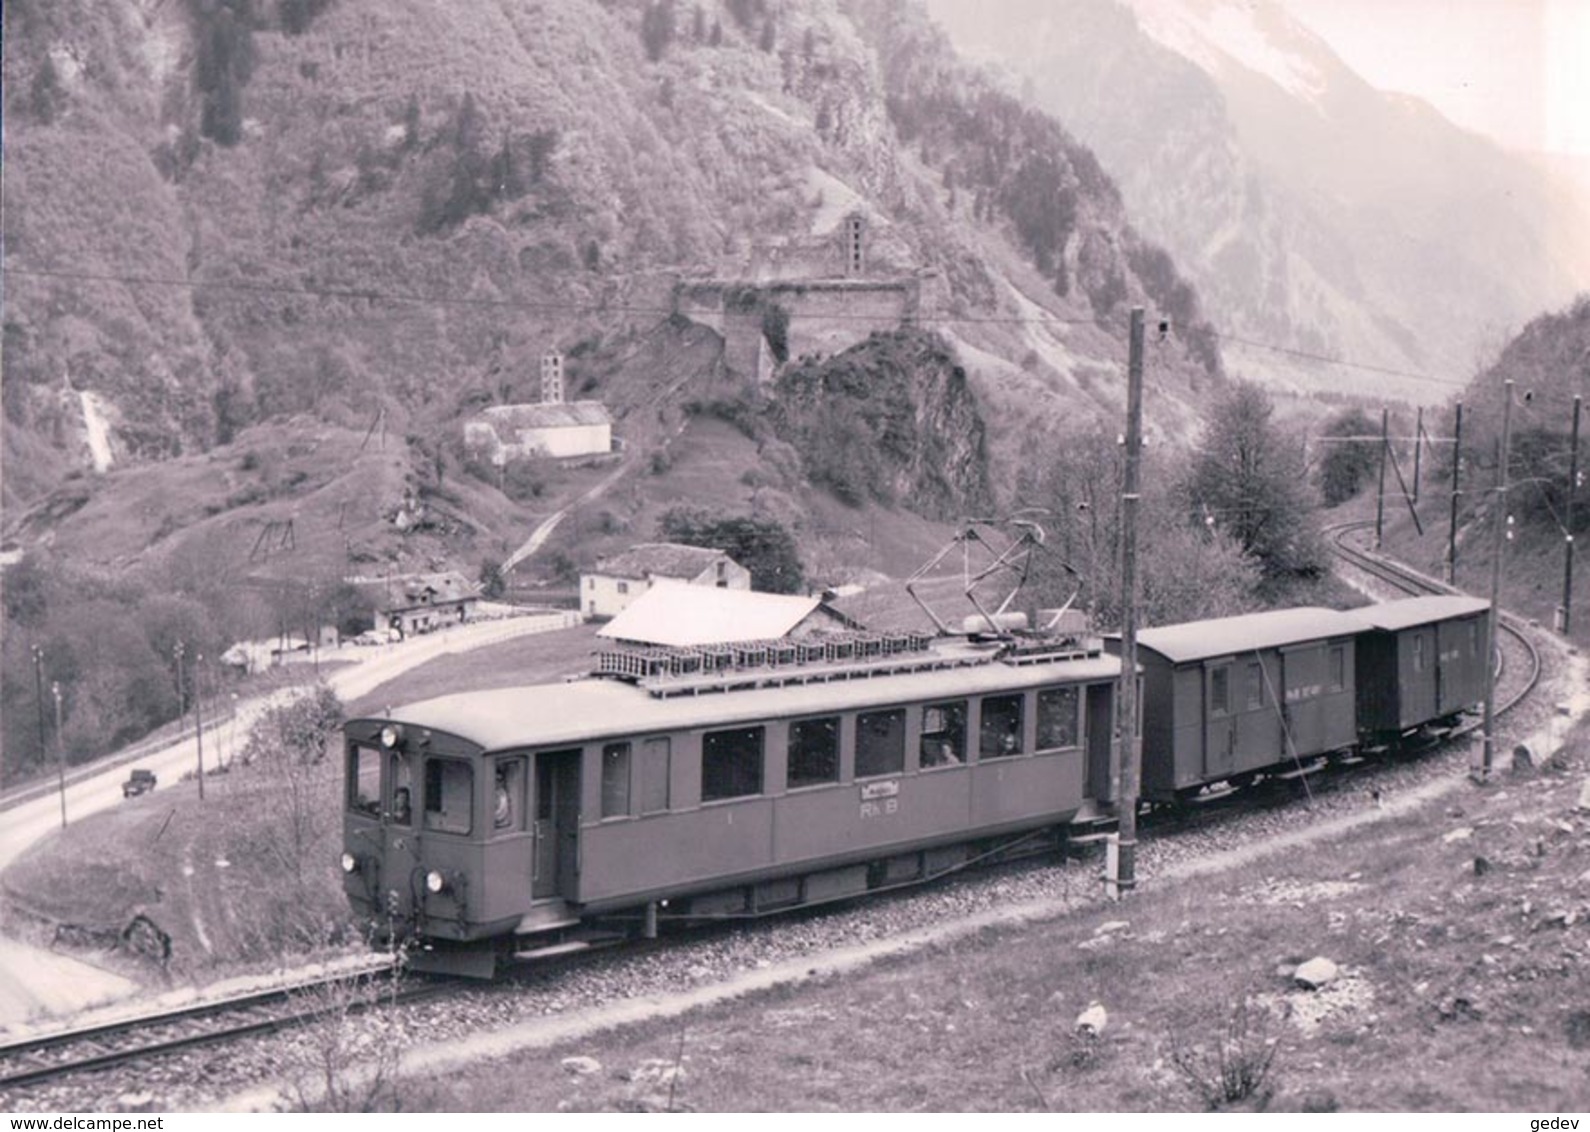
492 582
1248 478
763 546
657 28
1345 465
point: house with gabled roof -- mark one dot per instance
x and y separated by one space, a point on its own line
426 602
617 580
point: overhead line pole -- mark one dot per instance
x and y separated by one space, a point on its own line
1567 521
1418 451
1457 471
1487 748
1125 862
1380 494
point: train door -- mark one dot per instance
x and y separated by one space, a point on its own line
1100 724
1417 670
403 849
1220 732
557 825
1303 686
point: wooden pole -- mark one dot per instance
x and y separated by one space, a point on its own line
1125 861
1487 748
1380 495
1457 471
1567 522
1418 450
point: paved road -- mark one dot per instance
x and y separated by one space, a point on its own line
33 982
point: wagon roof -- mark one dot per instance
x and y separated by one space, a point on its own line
549 714
1394 615
1224 636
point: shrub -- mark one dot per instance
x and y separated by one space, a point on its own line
1233 1065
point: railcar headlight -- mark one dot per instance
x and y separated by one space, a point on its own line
350 863
435 882
391 736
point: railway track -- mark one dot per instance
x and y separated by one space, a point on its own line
84 1049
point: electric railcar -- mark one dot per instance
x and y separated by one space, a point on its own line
521 818
735 781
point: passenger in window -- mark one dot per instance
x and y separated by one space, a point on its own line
400 805
1009 741
503 807
938 752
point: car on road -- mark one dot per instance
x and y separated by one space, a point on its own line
138 782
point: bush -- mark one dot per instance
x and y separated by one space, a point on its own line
1232 1066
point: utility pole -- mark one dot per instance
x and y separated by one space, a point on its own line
1487 748
1123 877
38 695
60 748
1567 522
1418 450
1380 495
1457 471
198 717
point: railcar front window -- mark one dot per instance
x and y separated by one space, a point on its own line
943 734
402 790
880 743
364 781
449 796
615 780
1000 734
731 763
813 752
1058 715
507 796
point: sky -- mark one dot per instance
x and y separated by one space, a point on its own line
1515 70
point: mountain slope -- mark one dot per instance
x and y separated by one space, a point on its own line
1310 210
225 214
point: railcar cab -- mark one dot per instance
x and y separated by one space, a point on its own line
428 818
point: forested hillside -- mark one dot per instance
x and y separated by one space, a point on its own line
264 257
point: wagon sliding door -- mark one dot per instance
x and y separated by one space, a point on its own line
1220 733
557 827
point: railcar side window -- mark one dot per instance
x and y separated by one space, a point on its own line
1219 691
1058 718
880 742
1474 638
731 763
813 752
1418 654
1255 686
507 799
449 796
364 781
656 764
1338 667
1000 735
615 780
943 734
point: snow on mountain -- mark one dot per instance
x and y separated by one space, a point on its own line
1214 33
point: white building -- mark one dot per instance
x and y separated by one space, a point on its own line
620 579
563 428
675 615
